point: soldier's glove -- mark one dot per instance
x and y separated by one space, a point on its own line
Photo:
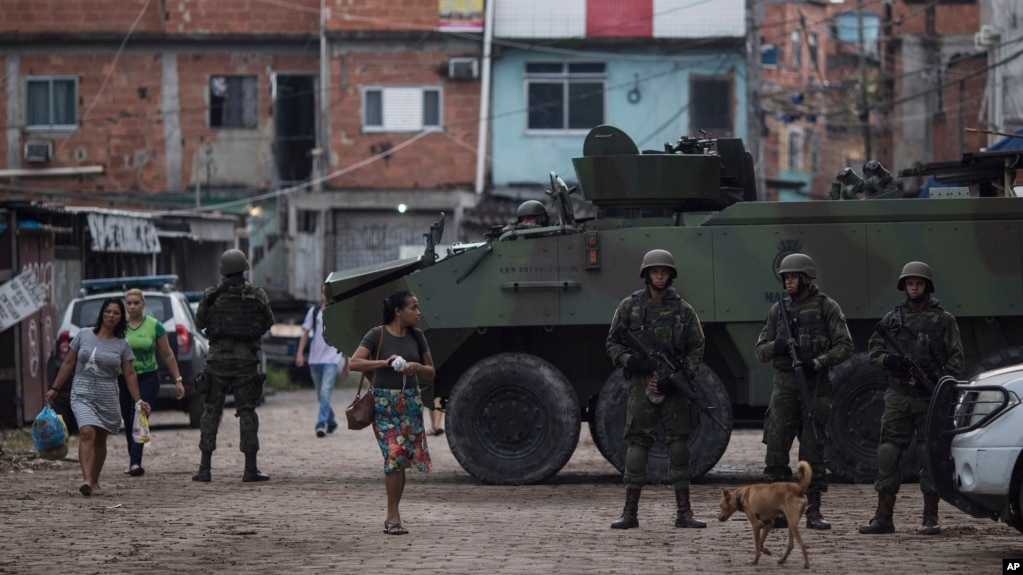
897 363
813 367
781 346
639 366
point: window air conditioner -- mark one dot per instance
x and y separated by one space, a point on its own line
463 68
38 150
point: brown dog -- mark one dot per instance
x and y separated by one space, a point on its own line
763 502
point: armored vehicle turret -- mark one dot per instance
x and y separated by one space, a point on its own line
518 328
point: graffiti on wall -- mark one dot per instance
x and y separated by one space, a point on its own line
112 233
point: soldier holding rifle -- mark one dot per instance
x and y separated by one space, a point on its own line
658 308
814 339
916 343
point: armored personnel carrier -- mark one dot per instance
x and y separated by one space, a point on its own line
517 324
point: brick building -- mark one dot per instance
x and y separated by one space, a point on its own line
905 90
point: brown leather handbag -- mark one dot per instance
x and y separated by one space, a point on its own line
360 413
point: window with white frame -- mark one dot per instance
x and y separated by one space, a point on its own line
51 103
565 96
795 156
811 46
401 109
797 49
234 102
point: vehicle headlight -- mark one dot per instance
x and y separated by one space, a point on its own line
975 408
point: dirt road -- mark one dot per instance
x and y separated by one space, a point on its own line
323 512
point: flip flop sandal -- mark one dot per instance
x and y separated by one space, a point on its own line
86 490
394 529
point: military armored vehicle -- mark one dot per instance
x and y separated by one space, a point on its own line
517 324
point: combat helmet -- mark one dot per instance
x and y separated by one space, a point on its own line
658 258
532 208
798 263
916 270
233 262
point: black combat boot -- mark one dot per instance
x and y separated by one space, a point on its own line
882 521
629 519
814 519
930 525
683 513
204 468
252 472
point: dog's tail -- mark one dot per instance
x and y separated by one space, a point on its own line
805 474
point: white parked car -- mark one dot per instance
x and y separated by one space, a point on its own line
975 441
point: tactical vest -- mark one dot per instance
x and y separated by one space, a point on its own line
922 335
238 316
663 324
810 330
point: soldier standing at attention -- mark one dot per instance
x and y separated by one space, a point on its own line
235 315
822 342
930 335
660 308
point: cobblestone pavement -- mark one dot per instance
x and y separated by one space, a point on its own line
323 512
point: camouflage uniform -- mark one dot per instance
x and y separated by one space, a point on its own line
231 366
932 337
675 323
821 334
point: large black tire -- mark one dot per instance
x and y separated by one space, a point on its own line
513 419
707 443
1001 358
196 405
854 427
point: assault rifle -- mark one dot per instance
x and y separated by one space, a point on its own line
644 343
915 370
797 370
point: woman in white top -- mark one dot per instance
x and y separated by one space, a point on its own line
95 357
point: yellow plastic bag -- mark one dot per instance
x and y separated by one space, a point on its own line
140 429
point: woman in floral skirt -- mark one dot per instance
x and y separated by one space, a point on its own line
400 347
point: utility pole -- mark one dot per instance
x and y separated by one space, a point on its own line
864 92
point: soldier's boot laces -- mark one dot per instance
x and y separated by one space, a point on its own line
814 519
882 521
629 518
930 525
683 513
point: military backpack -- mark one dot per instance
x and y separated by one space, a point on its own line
238 316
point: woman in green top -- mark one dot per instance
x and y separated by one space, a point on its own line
146 336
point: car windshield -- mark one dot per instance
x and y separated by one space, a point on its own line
87 310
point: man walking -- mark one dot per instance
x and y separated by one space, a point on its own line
235 315
928 335
822 339
659 308
324 360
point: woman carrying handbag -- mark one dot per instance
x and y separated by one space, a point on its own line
398 410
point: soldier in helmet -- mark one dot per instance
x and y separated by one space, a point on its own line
235 315
930 335
658 307
530 214
822 342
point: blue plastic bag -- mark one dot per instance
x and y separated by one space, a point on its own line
50 434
